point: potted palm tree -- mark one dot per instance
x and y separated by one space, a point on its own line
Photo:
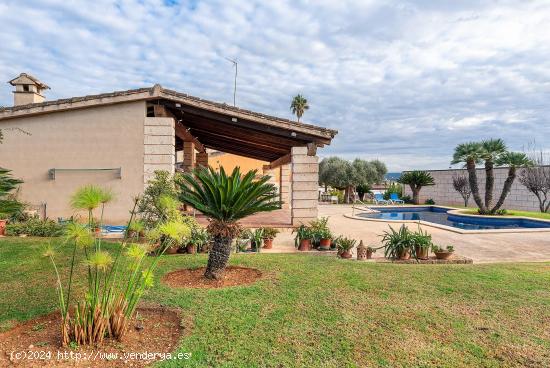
303 237
225 199
269 234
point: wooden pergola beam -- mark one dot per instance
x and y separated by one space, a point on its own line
283 160
181 131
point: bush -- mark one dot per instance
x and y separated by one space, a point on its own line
407 199
393 188
35 227
429 201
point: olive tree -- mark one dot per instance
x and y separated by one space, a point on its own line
345 175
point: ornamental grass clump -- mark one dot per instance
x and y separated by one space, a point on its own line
116 280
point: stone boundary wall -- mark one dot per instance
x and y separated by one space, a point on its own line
443 192
159 147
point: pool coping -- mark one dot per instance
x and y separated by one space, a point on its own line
455 211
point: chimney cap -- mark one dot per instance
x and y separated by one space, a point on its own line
24 78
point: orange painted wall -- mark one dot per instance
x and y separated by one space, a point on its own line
230 161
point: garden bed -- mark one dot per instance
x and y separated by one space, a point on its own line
194 278
456 259
37 343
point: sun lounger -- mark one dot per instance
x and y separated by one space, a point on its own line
394 198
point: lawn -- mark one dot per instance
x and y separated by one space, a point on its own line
539 215
319 311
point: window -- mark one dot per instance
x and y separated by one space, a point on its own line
26 87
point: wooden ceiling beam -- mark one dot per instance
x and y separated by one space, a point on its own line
205 135
302 138
181 131
238 153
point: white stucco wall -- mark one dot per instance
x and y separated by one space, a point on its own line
108 136
443 192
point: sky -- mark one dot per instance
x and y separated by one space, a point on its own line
402 81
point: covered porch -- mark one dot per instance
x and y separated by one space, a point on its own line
287 150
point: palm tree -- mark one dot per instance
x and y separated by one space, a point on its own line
416 180
470 154
492 149
225 200
299 105
513 160
8 205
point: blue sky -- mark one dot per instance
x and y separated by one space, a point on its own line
403 81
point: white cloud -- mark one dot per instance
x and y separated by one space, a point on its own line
403 81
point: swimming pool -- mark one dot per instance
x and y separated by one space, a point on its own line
440 215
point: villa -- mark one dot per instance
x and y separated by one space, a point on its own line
120 139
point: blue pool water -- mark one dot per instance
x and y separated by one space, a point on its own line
440 216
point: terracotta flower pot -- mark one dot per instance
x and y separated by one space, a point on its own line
422 252
172 249
324 244
191 248
268 243
345 254
305 245
443 255
369 253
3 227
405 254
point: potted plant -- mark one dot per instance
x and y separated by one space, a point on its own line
257 239
370 251
3 222
345 245
269 234
199 239
443 253
398 244
320 233
422 243
302 241
135 229
325 238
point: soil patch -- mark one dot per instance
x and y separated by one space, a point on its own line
194 278
37 343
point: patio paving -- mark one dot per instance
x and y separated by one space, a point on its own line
481 248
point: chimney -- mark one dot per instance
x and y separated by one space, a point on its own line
28 90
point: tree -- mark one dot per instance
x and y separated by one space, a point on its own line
344 175
298 106
470 154
225 200
513 160
461 185
536 179
416 180
491 150
8 204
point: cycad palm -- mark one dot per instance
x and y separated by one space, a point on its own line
298 106
416 180
225 200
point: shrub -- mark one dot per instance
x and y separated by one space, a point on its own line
429 201
393 188
158 202
35 227
115 282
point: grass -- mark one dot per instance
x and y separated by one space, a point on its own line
318 311
539 215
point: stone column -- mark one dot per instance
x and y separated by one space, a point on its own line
305 181
159 145
202 159
284 186
188 156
